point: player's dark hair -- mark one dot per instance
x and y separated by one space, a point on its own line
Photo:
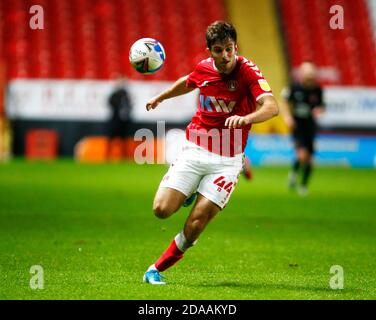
220 31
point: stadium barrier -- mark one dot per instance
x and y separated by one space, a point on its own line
41 144
101 149
331 150
92 149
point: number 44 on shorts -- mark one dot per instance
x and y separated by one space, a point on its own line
222 184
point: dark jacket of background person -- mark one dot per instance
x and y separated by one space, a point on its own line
120 104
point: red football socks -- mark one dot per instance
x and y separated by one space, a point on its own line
172 255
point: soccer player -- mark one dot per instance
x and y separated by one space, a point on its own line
302 104
233 96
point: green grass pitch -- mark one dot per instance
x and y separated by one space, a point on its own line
92 230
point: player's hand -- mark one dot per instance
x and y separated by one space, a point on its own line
152 103
290 122
317 112
234 122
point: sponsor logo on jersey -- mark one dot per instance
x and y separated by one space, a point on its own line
211 104
264 85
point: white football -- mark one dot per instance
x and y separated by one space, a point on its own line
147 55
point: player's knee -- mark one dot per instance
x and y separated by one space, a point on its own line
303 156
198 224
306 158
162 210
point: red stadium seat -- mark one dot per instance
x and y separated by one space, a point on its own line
88 39
350 51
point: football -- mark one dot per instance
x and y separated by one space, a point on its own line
147 55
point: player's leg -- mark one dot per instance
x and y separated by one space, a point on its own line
178 245
303 155
296 165
203 211
177 185
307 161
167 201
214 192
306 169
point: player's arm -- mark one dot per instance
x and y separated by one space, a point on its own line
320 108
318 111
285 108
177 89
286 113
267 108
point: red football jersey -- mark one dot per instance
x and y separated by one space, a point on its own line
222 96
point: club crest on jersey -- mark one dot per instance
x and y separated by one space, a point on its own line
212 104
232 85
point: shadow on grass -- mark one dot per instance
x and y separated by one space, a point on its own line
256 286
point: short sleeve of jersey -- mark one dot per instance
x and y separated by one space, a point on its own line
258 86
194 77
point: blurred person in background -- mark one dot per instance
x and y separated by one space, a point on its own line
121 107
301 106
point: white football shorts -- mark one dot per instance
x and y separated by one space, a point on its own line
197 169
